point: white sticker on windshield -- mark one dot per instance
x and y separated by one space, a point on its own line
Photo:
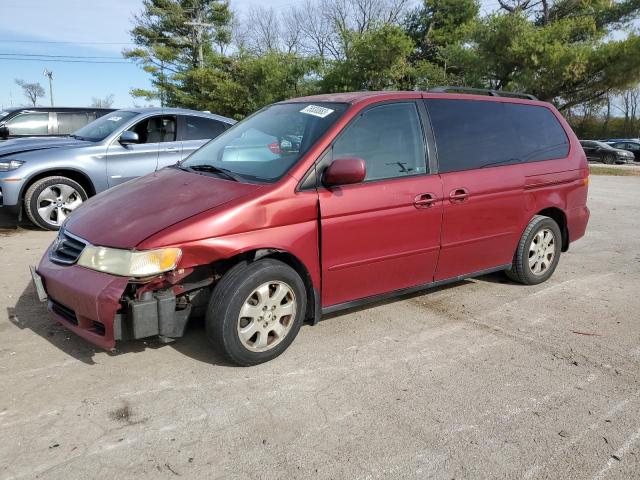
316 111
114 119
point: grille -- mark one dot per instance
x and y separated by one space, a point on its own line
66 248
64 312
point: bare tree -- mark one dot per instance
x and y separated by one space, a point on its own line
262 30
323 28
32 91
315 27
105 102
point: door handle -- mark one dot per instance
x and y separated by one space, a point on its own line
171 149
458 195
424 200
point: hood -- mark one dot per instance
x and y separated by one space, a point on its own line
21 145
124 216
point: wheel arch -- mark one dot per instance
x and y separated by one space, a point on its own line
72 173
558 215
313 309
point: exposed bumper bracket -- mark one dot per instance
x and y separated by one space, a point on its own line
150 317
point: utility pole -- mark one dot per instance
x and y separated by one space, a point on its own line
49 73
199 28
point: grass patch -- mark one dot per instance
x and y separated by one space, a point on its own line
620 172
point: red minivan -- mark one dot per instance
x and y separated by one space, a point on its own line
317 204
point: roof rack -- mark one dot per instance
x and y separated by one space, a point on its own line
483 91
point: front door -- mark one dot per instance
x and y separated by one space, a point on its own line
383 234
125 162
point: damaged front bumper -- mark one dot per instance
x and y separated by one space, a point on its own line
104 308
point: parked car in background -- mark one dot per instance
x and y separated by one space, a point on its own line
363 196
48 179
46 121
603 152
632 146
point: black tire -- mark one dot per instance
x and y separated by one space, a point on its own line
608 159
520 270
230 294
31 199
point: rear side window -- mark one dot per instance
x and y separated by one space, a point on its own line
200 128
70 122
476 134
388 138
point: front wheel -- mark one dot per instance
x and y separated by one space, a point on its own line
49 201
256 311
608 159
538 252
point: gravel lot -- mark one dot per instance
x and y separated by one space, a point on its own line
481 379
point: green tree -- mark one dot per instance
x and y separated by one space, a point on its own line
376 59
175 37
437 24
564 53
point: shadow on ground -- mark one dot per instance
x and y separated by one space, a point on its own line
29 313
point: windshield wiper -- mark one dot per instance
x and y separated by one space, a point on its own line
223 172
84 139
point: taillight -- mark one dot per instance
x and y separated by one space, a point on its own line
275 148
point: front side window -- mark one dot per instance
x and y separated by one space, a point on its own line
201 128
264 146
388 138
34 123
104 126
474 134
158 129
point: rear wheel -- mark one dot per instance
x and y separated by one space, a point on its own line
538 252
50 200
256 311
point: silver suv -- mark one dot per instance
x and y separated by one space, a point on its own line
49 178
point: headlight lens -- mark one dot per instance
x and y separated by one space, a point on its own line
130 264
8 165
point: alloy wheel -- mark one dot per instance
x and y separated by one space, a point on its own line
542 251
266 316
56 202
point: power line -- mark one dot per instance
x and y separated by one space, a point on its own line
124 62
66 43
55 56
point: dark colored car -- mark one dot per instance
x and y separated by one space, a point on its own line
632 146
363 196
602 152
46 121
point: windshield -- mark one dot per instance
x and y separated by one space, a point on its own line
266 145
104 126
3 114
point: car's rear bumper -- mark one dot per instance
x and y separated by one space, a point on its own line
577 219
83 300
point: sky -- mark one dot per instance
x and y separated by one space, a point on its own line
81 28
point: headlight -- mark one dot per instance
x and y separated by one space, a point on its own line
129 264
8 165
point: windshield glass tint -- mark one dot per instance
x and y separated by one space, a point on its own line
266 145
104 126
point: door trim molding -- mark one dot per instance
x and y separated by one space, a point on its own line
408 290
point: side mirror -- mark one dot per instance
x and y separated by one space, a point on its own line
129 138
345 171
4 132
